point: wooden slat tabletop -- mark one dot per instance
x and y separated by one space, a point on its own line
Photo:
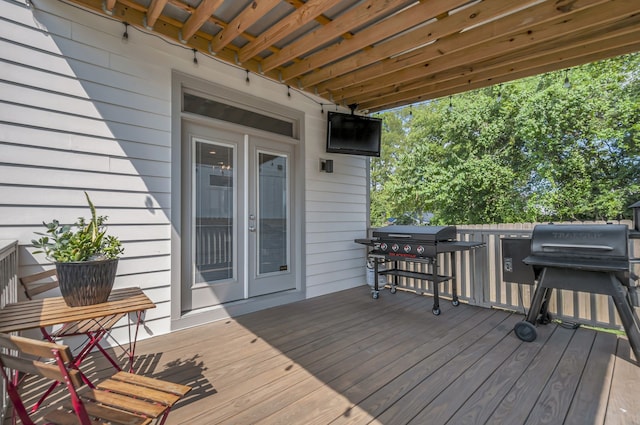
34 314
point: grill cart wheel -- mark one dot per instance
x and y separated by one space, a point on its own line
392 290
455 303
525 331
375 295
436 311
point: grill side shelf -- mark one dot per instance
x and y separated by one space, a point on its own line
416 275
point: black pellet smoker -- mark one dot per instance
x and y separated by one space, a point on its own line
590 258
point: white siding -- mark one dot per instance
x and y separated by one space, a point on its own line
81 110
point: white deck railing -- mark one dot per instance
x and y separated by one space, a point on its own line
8 272
8 294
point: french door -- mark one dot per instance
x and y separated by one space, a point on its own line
237 202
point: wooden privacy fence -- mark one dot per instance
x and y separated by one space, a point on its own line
480 279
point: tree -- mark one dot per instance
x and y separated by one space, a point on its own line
530 150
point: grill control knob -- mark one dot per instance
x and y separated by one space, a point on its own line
395 247
407 248
383 246
420 249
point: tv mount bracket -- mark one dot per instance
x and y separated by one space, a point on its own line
353 108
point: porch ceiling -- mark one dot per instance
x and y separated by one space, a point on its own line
381 54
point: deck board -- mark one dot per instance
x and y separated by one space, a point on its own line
346 358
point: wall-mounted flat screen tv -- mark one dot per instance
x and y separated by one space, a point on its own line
353 134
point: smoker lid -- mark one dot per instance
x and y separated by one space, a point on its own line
585 246
439 233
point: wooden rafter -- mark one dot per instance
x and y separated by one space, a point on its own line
155 9
199 17
427 33
306 13
256 10
481 57
386 53
436 92
408 18
366 12
433 58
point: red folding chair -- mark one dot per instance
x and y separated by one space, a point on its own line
95 330
122 398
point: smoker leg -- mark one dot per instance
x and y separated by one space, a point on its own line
540 298
627 315
544 317
526 330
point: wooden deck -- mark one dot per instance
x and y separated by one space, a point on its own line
348 359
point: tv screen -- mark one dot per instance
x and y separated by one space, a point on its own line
353 134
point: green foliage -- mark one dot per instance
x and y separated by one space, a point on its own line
84 241
538 152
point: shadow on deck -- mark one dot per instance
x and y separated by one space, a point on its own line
345 358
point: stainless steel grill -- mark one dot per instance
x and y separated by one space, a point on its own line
590 258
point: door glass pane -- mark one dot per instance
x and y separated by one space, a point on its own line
273 227
214 211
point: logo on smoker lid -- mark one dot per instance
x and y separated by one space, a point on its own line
383 246
395 247
407 248
420 249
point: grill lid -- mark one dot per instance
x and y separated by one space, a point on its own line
602 247
416 233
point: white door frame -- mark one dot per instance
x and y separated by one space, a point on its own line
238 99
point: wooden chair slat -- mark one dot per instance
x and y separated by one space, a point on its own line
157 384
26 280
145 393
37 368
63 417
114 415
40 288
124 402
34 347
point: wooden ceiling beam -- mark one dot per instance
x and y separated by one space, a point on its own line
518 23
109 5
560 50
480 12
249 16
410 17
420 95
199 17
538 34
379 55
155 10
169 29
355 17
306 13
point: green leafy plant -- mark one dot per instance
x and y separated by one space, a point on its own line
83 241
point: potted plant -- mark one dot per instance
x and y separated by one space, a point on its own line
86 258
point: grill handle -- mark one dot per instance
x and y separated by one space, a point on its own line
573 246
399 235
